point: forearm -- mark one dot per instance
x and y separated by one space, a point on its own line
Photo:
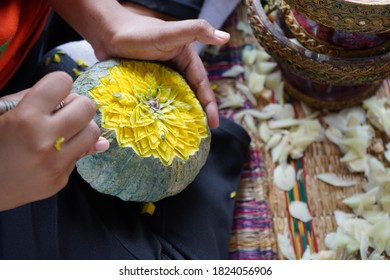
90 18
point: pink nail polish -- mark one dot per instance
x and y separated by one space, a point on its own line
102 145
221 34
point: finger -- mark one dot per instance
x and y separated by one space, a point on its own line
73 117
80 144
10 101
179 33
100 146
48 92
70 97
208 102
190 64
212 114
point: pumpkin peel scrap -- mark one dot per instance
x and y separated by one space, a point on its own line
156 126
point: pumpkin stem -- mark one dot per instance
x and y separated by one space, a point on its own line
154 102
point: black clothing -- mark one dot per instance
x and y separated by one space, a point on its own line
180 9
81 223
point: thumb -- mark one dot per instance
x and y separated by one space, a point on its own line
187 31
15 96
8 101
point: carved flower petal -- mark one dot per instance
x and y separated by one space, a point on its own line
152 109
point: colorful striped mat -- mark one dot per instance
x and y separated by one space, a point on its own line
252 233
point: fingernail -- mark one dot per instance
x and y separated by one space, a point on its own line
102 145
212 115
221 34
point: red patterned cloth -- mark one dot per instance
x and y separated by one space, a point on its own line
21 25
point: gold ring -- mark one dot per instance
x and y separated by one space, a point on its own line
58 143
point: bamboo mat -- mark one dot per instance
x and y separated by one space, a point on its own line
261 208
322 198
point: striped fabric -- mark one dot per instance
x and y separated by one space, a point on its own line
252 224
302 233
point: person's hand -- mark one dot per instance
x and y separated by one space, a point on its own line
39 146
114 30
141 37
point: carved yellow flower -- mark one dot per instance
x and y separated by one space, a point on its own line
152 110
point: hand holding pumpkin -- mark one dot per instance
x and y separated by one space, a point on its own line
170 41
126 34
32 169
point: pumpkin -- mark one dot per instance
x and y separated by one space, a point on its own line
158 132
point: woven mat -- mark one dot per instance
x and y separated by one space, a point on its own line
261 208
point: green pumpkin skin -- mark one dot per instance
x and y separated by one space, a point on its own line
120 171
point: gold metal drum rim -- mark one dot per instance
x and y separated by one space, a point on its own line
312 66
316 45
348 15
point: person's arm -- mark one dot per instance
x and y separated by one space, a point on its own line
39 146
114 31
